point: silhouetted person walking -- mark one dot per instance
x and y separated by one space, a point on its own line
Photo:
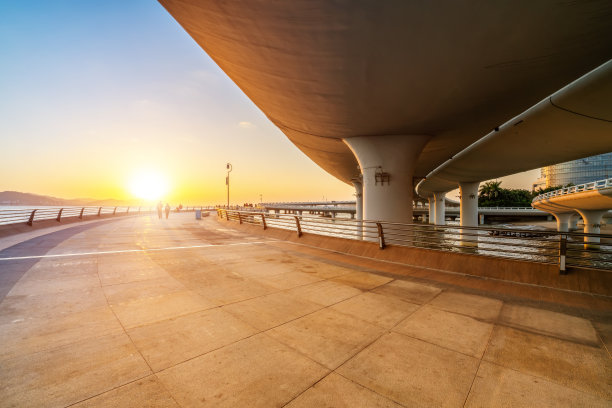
159 210
167 210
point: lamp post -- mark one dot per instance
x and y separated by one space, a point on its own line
228 166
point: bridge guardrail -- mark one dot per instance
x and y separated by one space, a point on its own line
563 249
593 185
33 214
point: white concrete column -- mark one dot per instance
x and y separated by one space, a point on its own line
592 225
563 221
440 207
468 212
573 222
394 155
358 199
432 210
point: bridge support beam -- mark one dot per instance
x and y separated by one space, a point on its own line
592 225
358 199
573 222
440 207
468 211
563 221
387 164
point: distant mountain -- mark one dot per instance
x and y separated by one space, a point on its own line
17 198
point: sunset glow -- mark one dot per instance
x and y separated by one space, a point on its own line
149 185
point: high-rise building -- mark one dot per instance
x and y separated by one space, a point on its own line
575 172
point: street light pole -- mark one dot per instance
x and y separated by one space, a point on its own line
228 166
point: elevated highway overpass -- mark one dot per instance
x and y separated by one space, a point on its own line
379 94
590 200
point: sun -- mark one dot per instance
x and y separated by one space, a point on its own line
149 184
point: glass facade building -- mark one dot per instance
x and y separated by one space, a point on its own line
576 172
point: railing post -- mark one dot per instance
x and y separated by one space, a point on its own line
562 254
298 226
99 211
381 236
31 220
128 210
263 221
59 215
240 218
226 216
115 210
81 214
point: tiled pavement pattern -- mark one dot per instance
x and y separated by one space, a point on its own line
253 322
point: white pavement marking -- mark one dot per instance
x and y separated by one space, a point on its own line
121 251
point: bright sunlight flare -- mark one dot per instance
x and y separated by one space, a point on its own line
149 185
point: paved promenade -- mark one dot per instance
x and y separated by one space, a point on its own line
139 312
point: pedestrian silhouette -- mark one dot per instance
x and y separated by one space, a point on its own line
167 210
159 210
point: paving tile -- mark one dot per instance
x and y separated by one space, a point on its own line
325 293
549 323
287 280
498 386
412 372
456 332
335 391
152 309
479 307
49 306
328 337
127 292
362 280
169 342
254 372
574 365
384 311
69 374
271 310
121 271
409 291
324 270
55 285
25 336
147 392
230 290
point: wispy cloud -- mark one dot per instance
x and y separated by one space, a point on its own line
246 125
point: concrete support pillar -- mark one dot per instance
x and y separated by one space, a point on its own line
481 219
440 208
468 212
432 212
387 164
358 199
592 225
573 222
563 221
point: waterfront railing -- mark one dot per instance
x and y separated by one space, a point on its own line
31 215
566 249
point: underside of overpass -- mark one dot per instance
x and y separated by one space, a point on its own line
379 94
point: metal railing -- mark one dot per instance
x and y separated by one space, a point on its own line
563 249
593 185
33 214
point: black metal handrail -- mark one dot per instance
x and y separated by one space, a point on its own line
561 248
33 214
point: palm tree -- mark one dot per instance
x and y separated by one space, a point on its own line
490 190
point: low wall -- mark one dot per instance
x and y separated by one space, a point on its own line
578 279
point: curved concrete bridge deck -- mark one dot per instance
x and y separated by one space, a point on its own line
143 312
